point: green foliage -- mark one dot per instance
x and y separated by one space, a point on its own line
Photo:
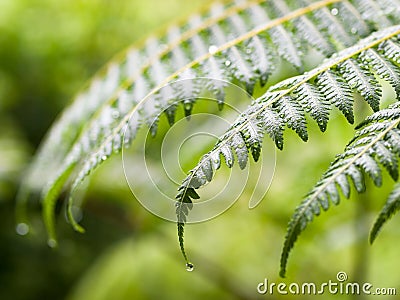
244 42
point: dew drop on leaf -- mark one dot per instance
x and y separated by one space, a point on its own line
334 11
189 267
212 49
103 157
227 63
115 114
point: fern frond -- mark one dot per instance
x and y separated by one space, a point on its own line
292 98
370 146
242 40
391 207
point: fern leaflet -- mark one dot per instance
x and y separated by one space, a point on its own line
391 206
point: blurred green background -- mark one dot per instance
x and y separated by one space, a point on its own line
48 50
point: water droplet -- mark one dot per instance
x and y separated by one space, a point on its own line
216 161
334 11
52 243
228 63
115 114
249 50
354 30
104 157
189 267
212 49
22 229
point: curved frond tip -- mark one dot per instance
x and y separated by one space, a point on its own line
391 207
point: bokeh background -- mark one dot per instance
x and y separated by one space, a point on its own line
48 50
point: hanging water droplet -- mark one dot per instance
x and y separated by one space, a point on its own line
115 114
22 229
212 49
334 11
52 243
228 63
189 267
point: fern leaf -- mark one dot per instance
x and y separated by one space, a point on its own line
308 31
391 207
285 45
391 8
362 155
293 115
314 103
338 92
351 19
274 126
132 91
383 67
363 81
285 99
280 38
391 50
331 23
368 9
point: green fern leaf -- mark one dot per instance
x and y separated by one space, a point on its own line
241 41
383 67
337 91
362 155
314 103
363 81
391 207
329 22
368 9
285 99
